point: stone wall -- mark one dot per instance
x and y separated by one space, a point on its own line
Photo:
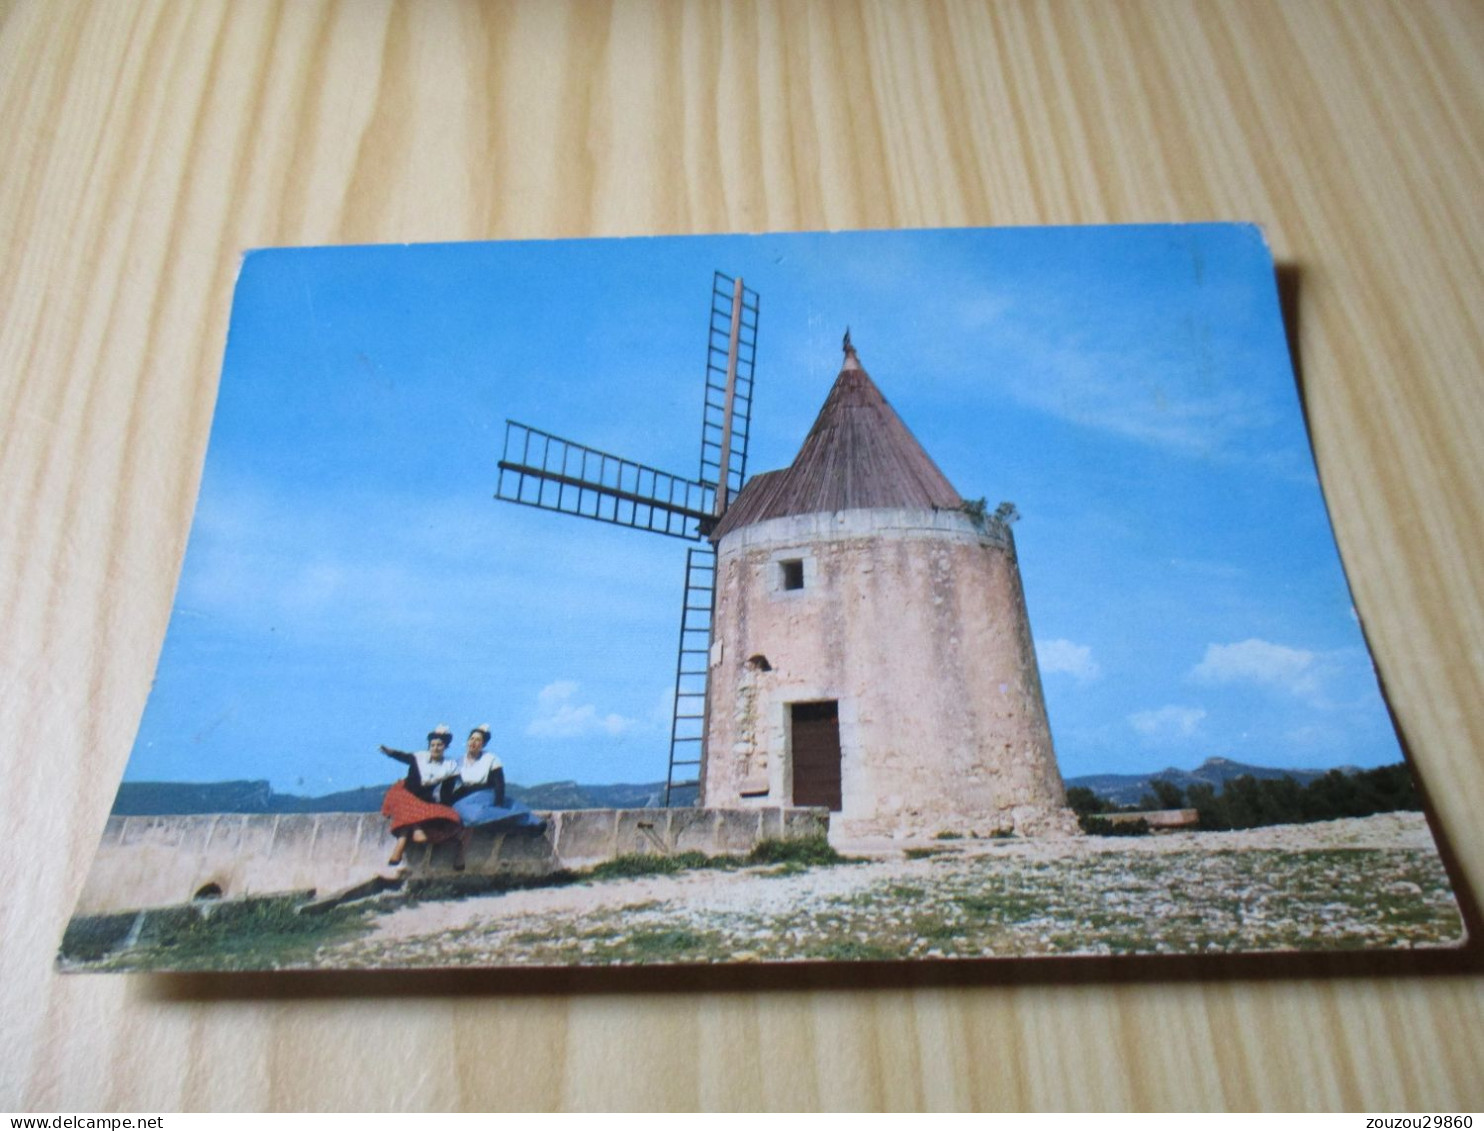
147 862
914 622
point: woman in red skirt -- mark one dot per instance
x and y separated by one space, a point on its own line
411 804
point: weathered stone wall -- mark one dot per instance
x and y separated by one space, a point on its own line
147 862
915 622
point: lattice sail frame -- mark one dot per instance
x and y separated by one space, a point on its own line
726 425
734 311
538 469
543 470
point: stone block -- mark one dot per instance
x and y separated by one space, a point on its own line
736 831
223 833
258 837
166 831
585 836
693 830
373 834
771 824
524 853
483 853
641 832
432 857
298 833
801 823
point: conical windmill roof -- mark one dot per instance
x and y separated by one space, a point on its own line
859 455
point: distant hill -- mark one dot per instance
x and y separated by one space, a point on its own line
158 799
163 798
570 795
1126 789
155 799
366 799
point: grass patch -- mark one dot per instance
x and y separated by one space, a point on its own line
89 938
792 868
253 930
1407 914
1101 826
938 930
1010 908
248 934
948 834
850 950
438 889
652 864
795 855
809 851
923 853
658 946
600 934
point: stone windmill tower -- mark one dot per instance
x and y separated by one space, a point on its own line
871 648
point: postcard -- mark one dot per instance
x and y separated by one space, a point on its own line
889 596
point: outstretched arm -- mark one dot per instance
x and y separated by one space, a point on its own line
414 775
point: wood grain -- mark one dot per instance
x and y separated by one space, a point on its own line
147 144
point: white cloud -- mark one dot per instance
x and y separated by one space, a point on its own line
662 712
558 715
1293 670
1066 657
1316 736
1168 722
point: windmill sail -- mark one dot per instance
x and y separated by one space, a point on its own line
692 674
731 350
538 469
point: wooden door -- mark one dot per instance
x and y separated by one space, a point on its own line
816 754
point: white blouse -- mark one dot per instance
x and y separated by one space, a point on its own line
432 772
477 771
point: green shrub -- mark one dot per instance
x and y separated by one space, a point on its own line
812 851
650 864
1101 826
1084 802
1247 802
804 852
1167 795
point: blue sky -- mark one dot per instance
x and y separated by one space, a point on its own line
350 579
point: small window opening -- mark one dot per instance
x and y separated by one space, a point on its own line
759 663
793 573
207 892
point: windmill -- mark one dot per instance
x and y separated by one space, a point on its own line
539 469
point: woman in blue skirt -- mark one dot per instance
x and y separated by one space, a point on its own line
478 794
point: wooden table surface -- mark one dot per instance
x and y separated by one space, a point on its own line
146 145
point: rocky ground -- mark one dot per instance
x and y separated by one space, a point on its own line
1374 882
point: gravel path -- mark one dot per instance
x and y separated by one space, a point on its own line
1370 882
